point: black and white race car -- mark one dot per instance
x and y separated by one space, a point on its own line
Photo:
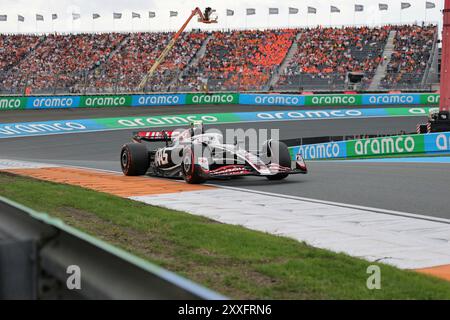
197 156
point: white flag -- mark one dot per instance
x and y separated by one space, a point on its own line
273 11
406 5
334 9
359 8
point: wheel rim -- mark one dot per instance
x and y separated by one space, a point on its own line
187 163
124 159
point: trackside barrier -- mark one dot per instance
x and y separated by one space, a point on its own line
102 101
435 143
25 129
39 253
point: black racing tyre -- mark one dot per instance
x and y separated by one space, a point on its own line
283 157
134 159
423 128
191 171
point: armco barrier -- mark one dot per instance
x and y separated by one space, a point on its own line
434 143
319 100
36 252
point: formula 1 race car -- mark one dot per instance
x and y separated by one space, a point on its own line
197 156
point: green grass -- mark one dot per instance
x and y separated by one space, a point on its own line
232 260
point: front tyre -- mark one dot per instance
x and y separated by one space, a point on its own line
134 159
190 169
277 152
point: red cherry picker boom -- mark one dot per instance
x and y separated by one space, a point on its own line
203 17
440 121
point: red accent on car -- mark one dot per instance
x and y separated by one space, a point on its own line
155 135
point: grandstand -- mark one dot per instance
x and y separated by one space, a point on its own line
282 60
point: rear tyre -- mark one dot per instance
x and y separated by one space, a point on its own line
423 128
134 159
190 169
282 157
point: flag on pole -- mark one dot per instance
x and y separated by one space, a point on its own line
135 15
359 8
3 17
383 6
20 18
54 16
405 5
430 5
334 9
251 11
117 15
95 16
39 17
173 14
273 11
312 10
151 14
230 12
76 16
293 10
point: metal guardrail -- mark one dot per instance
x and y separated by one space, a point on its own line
105 82
36 250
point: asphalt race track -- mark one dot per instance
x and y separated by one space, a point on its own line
414 188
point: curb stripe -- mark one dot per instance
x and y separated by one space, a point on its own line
442 272
111 183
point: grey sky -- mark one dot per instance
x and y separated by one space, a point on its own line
65 8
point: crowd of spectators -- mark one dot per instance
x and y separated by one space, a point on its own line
125 69
240 60
13 48
412 49
60 61
233 60
329 53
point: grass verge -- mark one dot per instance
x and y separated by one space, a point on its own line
232 260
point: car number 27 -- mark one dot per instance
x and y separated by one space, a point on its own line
161 157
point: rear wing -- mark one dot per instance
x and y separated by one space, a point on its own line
154 136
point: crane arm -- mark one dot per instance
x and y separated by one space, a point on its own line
171 44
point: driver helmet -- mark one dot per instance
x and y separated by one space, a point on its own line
197 128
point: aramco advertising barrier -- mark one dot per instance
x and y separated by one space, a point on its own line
435 143
148 100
